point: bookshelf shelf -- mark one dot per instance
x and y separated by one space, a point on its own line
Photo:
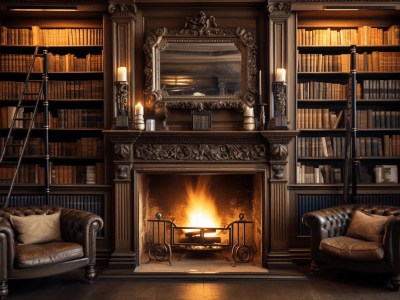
323 67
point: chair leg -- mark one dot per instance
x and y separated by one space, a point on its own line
3 290
314 267
395 281
90 274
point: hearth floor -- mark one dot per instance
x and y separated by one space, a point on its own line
194 264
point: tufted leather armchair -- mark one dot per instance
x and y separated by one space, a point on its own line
333 222
77 248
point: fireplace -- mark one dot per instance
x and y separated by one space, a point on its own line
213 215
155 172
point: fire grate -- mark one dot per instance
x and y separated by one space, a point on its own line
166 235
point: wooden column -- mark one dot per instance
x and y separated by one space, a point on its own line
123 18
123 21
278 13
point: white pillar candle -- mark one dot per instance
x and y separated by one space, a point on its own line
249 112
121 74
280 75
139 109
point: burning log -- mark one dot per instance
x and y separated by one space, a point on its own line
198 232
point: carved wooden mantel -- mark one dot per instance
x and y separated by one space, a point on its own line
213 150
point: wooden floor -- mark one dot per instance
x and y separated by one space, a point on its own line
330 284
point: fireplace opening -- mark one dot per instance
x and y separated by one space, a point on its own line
193 222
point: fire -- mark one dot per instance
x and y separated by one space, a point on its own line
202 211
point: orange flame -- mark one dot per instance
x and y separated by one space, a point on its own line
201 211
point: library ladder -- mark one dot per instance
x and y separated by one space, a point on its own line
33 91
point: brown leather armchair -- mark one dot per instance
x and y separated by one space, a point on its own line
76 248
332 223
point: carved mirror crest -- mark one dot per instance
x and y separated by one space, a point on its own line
200 66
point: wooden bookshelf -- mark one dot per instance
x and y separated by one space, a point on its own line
323 65
75 93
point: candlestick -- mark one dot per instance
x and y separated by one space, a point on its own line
139 109
121 74
280 75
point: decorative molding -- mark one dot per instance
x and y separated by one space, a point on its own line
122 151
126 10
349 1
122 171
200 152
279 151
279 8
55 2
206 105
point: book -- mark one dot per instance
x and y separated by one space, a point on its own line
386 174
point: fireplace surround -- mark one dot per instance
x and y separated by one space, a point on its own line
146 163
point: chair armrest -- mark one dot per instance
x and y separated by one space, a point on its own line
391 242
81 227
7 248
326 223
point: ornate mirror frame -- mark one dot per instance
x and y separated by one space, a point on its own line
201 29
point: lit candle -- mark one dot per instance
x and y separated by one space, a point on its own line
121 74
280 75
138 109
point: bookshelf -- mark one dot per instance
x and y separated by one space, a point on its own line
323 42
75 93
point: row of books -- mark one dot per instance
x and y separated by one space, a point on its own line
374 146
319 118
83 147
324 146
315 90
365 62
370 119
380 89
56 63
61 118
57 89
365 90
362 35
50 36
66 174
60 174
318 174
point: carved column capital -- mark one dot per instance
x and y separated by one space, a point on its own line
278 145
279 8
122 171
125 9
122 151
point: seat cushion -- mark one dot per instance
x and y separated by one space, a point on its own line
368 227
37 228
32 255
352 249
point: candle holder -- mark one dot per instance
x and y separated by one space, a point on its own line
280 104
121 99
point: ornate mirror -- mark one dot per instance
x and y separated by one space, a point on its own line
200 67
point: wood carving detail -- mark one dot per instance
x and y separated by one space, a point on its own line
279 151
122 151
279 8
122 9
122 171
201 152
